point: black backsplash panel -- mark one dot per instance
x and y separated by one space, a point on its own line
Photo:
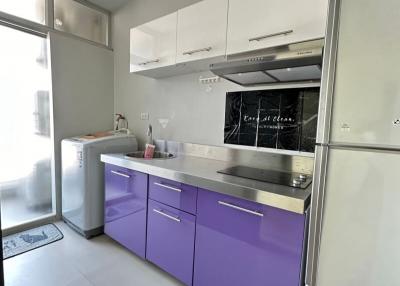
281 119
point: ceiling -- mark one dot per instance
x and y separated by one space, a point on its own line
110 5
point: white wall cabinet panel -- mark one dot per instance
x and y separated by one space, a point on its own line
153 45
202 30
258 24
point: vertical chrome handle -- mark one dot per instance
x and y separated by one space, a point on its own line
177 219
197 51
149 62
168 187
120 174
240 208
284 33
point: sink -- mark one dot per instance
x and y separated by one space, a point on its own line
157 155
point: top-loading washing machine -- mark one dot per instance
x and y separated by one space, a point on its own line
83 178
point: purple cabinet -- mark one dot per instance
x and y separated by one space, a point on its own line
244 243
170 240
175 194
126 207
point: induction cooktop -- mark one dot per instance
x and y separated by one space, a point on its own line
296 180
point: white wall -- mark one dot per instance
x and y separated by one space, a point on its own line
82 83
196 116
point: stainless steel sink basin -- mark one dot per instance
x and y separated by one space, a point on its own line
157 155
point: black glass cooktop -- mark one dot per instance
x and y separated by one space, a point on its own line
270 176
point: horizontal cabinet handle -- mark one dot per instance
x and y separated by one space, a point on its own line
120 174
197 51
260 38
177 219
168 187
149 62
240 208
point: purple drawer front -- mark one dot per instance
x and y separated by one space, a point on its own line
236 246
126 207
173 193
170 240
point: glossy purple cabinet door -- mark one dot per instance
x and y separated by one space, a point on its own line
174 194
125 207
170 240
243 243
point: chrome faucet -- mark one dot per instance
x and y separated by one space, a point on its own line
150 134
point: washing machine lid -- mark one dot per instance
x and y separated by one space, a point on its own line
99 137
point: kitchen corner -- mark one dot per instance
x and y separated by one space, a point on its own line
200 142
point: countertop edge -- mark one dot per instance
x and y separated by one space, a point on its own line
264 197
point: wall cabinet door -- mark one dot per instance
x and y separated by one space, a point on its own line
243 243
202 30
257 24
126 207
170 240
153 45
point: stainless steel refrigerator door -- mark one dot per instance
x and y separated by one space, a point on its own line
366 99
360 239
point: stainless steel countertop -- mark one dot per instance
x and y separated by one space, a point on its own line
202 173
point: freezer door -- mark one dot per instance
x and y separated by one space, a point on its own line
366 100
361 222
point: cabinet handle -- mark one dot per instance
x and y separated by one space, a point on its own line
149 62
284 33
168 187
177 219
120 174
240 208
197 51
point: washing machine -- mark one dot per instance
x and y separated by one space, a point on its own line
83 178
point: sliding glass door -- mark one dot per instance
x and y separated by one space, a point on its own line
26 145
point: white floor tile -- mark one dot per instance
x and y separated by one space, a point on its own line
80 262
81 281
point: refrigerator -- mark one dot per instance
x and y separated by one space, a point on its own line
354 236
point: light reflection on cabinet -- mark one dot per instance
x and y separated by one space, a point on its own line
153 45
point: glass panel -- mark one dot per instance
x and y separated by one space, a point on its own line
25 143
33 10
297 73
283 119
75 18
249 78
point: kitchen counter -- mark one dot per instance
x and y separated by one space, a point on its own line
202 173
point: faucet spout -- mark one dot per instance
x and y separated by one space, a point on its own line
150 134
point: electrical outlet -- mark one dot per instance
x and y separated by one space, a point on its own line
144 116
209 80
396 122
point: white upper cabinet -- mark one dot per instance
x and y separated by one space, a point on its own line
202 30
153 45
258 24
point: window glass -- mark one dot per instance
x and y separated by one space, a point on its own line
33 10
75 18
26 143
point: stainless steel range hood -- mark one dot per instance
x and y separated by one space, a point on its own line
300 62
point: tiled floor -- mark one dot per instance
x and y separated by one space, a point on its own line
75 261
